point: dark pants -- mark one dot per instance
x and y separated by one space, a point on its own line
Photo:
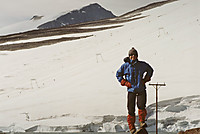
141 101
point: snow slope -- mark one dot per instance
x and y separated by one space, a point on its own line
43 85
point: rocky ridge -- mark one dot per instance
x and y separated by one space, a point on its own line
92 12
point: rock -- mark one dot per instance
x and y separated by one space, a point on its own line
36 17
151 122
171 121
176 109
108 118
191 131
195 122
181 132
92 127
183 124
118 128
92 12
121 118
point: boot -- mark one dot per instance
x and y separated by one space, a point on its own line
131 123
132 131
142 115
143 124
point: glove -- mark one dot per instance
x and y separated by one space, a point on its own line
125 83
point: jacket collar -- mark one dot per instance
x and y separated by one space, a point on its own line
132 62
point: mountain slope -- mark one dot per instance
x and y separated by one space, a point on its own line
78 77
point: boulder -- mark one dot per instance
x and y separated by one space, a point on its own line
191 131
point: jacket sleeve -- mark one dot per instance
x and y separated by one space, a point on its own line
120 73
149 73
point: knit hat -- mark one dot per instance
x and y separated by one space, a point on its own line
133 51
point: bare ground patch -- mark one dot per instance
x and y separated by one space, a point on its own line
28 45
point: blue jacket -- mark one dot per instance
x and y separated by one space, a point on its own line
134 72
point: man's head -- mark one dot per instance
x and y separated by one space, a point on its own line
133 54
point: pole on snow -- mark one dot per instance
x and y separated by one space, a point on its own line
157 86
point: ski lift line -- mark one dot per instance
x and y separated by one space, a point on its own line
157 86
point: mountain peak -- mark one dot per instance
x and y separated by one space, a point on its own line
92 12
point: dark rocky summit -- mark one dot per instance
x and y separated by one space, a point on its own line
191 131
36 17
92 12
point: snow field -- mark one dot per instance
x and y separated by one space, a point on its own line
78 77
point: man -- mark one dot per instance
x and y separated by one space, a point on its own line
134 74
